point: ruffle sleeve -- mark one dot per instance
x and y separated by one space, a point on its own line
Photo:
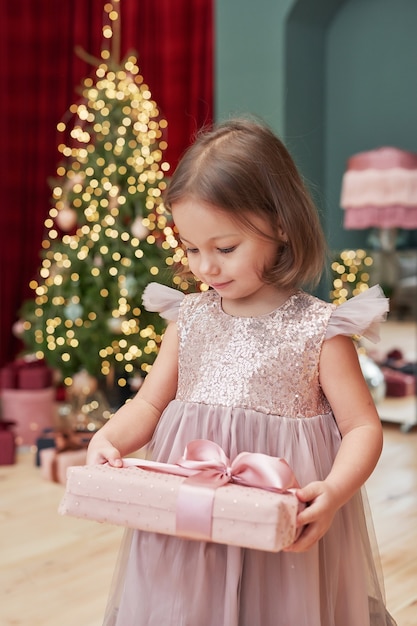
360 315
162 299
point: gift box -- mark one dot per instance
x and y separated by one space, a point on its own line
7 443
62 441
398 384
32 410
189 505
34 377
28 398
46 440
54 464
8 377
26 373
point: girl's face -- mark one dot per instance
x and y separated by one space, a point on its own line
223 254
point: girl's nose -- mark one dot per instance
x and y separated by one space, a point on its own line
208 264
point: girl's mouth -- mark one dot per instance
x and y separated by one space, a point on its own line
219 286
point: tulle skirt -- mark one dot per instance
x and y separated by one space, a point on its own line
165 581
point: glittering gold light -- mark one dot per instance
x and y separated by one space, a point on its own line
350 278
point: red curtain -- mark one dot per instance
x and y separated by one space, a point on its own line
40 74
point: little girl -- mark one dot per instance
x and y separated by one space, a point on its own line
255 364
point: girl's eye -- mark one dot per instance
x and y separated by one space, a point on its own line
191 250
227 250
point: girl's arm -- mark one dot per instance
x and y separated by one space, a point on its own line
343 383
132 426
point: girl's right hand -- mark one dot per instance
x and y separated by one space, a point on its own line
101 451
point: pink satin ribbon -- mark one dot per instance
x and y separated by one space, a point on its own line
206 467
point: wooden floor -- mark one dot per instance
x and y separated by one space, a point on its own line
57 570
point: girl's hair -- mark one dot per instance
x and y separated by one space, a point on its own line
242 168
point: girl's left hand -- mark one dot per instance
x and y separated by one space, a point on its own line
316 518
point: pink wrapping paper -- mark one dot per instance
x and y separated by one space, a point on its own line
7 443
398 384
55 464
32 410
26 373
148 500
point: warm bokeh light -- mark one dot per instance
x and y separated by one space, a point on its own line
350 274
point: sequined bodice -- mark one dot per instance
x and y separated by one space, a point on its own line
268 363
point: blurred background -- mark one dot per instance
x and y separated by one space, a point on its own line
334 78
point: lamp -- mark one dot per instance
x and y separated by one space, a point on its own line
379 190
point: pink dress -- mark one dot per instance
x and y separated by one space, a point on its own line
252 384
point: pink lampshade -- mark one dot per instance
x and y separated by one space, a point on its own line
379 189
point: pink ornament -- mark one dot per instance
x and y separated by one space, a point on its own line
113 202
136 382
66 219
83 383
18 328
138 229
114 325
76 179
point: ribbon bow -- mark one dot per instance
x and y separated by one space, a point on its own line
252 469
206 467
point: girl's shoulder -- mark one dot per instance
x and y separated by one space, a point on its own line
361 315
168 301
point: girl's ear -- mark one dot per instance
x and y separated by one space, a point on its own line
282 235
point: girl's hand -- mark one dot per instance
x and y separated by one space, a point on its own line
100 451
317 517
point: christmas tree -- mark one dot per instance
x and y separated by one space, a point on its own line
107 233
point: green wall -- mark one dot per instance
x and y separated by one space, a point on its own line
250 50
332 77
371 91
